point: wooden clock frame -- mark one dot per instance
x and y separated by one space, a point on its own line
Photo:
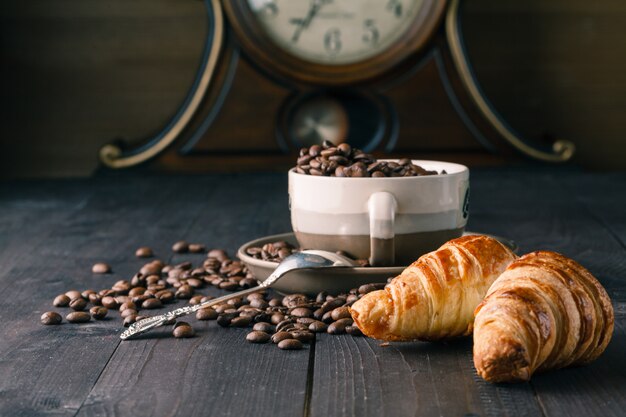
289 70
262 49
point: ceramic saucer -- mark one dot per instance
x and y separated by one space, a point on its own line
333 281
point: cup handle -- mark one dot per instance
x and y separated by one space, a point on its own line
382 208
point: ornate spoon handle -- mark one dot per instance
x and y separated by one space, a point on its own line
149 323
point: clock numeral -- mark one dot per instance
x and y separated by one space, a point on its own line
371 34
332 41
395 7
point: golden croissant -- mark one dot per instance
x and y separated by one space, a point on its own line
435 297
544 312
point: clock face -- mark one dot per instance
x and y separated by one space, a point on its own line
335 32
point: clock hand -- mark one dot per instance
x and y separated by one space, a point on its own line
304 23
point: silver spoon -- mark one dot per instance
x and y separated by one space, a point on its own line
308 259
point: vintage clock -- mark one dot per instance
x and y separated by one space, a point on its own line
389 76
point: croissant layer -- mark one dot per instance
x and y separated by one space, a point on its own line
434 298
544 312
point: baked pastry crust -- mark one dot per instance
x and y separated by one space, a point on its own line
545 311
435 297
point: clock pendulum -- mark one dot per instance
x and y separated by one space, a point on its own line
336 59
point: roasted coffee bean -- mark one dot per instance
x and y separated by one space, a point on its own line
333 304
301 312
225 319
275 302
287 323
184 292
229 286
136 291
61 300
129 319
151 303
73 294
339 326
277 318
295 300
128 305
318 327
367 288
206 314
196 299
183 330
241 321
340 313
218 254
290 344
195 283
51 318
128 312
121 287
98 313
197 248
165 296
180 247
321 297
352 298
248 283
100 268
280 336
259 303
78 304
144 252
304 336
258 337
305 320
78 317
353 331
263 327
151 268
110 303
85 294
327 317
262 318
318 314
95 299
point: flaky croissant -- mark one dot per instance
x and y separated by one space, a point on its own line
544 312
435 297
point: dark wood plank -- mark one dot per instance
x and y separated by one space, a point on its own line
217 372
436 379
358 377
51 370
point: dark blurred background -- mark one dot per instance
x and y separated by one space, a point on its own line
76 74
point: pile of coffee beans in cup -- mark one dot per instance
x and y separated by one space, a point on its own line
288 321
345 161
279 250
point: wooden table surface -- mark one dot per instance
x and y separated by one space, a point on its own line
52 231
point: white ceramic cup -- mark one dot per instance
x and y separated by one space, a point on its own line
390 221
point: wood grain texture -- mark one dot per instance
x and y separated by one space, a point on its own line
52 231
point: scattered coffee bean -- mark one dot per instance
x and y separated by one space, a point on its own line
241 321
78 317
51 318
263 327
110 303
98 313
301 312
73 294
100 268
340 313
180 247
280 336
197 248
367 288
225 319
78 304
339 327
206 314
61 301
257 336
353 331
318 327
304 336
183 330
144 252
127 312
152 303
290 344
